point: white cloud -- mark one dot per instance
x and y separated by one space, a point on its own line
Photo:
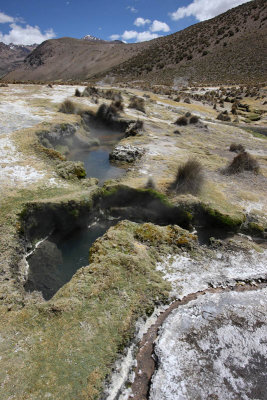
127 35
146 35
26 35
159 26
205 9
114 37
141 21
4 18
139 36
132 9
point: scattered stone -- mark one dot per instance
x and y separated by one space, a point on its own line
126 153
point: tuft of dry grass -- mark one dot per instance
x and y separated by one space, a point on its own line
77 93
237 148
243 162
189 178
67 107
224 116
194 119
181 121
118 104
138 103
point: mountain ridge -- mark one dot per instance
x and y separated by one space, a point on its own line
227 48
13 55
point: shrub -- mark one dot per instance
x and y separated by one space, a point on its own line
77 93
188 114
223 116
50 85
189 178
134 128
194 119
112 95
237 148
177 132
67 107
243 162
3 85
107 113
138 103
90 91
187 100
181 121
118 105
234 109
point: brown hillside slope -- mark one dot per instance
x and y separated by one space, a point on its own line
228 48
12 56
231 47
68 58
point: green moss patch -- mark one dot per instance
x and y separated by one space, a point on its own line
219 219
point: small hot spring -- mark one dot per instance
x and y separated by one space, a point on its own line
55 260
96 160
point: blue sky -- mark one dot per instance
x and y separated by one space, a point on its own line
32 21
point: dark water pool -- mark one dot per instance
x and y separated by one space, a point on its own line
55 261
96 160
97 164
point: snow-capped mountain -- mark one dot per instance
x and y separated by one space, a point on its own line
13 55
92 38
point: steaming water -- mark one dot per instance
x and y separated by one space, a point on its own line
54 262
96 161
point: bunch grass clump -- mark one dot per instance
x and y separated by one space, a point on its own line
194 119
243 162
189 178
181 121
77 93
138 103
237 148
67 107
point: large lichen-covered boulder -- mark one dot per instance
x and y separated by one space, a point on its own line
71 170
126 153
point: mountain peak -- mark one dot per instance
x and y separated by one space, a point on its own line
92 38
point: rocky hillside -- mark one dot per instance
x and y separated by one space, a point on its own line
77 59
12 56
228 48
